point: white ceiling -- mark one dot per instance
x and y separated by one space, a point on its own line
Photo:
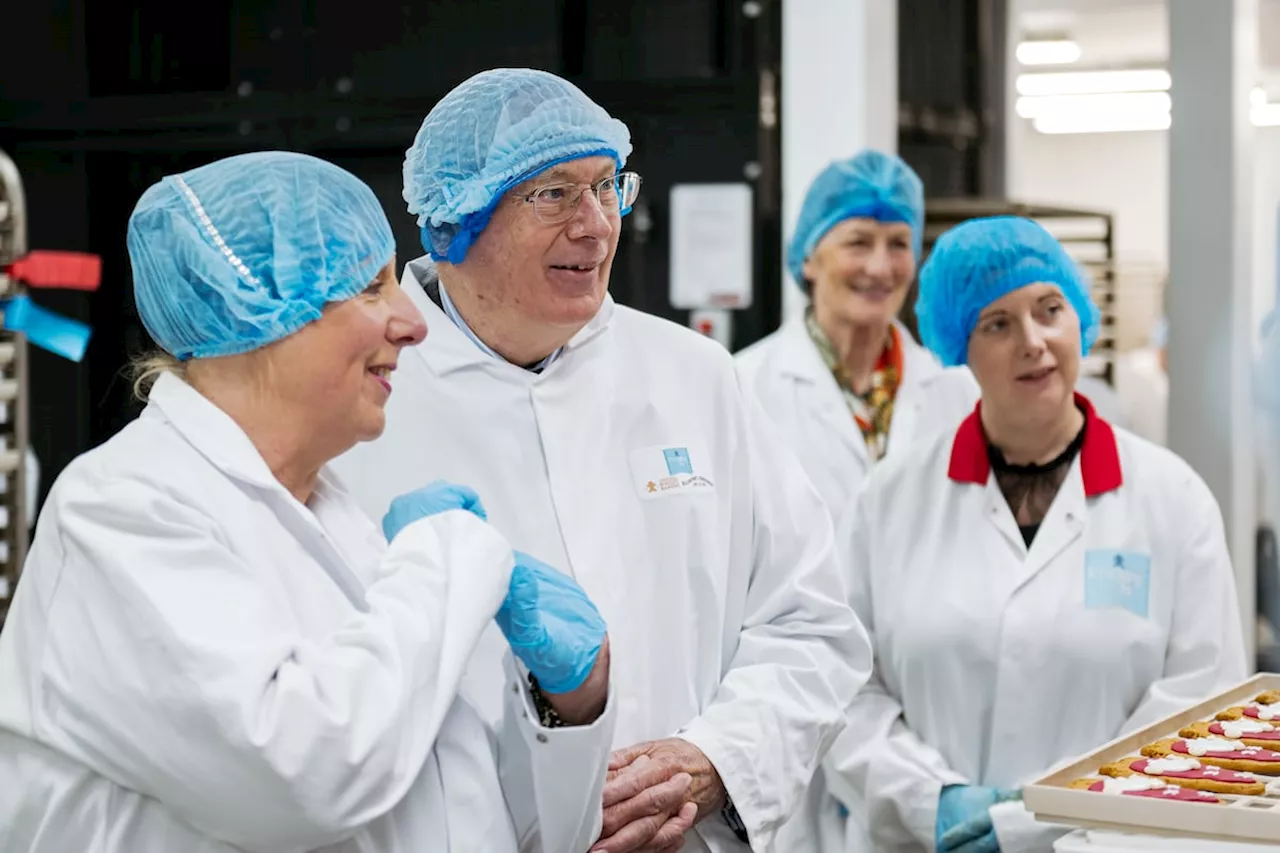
1129 33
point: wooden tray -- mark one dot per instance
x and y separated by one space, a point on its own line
1238 819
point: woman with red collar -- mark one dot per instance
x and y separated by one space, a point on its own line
1035 583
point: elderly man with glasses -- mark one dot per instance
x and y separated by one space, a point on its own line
620 447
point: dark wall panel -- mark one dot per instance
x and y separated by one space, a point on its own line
135 90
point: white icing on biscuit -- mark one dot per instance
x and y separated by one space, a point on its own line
1158 766
1130 783
1268 712
1205 745
1236 729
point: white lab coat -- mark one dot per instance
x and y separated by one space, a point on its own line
990 666
197 662
796 388
728 615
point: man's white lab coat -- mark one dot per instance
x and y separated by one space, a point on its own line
637 463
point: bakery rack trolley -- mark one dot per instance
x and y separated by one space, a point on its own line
24 323
14 391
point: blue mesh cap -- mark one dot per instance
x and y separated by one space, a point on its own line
494 131
871 185
246 250
981 260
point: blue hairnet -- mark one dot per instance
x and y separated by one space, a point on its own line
246 250
981 260
871 185
494 131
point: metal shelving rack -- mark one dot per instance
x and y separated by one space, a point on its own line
1088 235
13 392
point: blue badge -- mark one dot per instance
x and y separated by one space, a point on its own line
678 461
1117 579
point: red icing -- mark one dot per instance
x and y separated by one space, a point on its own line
1169 792
1217 729
1249 753
1217 774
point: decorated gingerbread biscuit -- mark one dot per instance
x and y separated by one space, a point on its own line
1188 773
1267 712
1144 786
1219 752
1247 730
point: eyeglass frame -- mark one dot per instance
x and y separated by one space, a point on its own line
531 197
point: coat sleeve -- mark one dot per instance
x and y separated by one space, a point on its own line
553 779
1205 652
800 654
879 767
173 667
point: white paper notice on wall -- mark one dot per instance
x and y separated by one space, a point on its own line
711 246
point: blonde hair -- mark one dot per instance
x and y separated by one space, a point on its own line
146 369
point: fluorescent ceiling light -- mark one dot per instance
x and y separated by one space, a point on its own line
1124 103
1093 82
1048 52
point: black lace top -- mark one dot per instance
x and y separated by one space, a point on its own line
1030 489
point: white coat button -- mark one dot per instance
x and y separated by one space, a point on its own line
542 738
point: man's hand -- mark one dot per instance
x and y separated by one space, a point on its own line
656 791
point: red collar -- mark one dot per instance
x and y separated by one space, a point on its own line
1099 457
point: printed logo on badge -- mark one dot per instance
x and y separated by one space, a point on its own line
1117 579
667 471
677 460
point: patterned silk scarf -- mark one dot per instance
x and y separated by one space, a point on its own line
873 410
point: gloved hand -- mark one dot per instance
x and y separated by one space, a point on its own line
552 626
964 819
429 500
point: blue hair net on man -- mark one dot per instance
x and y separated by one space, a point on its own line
244 251
496 130
870 185
981 260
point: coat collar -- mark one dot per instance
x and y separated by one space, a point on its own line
447 348
1099 457
210 430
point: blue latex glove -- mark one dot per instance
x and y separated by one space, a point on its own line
429 500
964 820
552 626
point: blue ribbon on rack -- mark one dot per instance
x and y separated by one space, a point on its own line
48 330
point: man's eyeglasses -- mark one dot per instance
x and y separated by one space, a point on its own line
556 203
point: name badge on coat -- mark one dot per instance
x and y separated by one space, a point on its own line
1117 579
668 470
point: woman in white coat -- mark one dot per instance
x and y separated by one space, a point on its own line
1036 582
846 383
212 648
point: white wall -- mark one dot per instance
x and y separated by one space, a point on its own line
839 95
1127 174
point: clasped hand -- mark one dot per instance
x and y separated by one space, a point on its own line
656 791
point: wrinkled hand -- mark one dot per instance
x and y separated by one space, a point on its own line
551 625
964 818
429 500
656 791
